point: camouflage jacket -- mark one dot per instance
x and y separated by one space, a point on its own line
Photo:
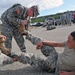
12 17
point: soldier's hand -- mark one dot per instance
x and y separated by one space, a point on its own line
39 45
24 22
2 38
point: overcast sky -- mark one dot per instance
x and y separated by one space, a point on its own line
47 7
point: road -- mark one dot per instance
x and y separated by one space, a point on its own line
59 34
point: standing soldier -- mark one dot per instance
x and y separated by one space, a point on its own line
15 21
62 19
68 18
74 17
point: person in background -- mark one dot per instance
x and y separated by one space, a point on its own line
74 17
14 20
68 18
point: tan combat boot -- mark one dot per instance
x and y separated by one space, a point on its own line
2 47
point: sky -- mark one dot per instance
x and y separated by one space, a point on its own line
46 7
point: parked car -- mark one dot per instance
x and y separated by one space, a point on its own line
38 24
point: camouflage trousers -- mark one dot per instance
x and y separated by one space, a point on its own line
10 32
4 59
48 64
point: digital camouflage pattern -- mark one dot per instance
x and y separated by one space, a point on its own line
68 18
63 19
48 64
4 60
11 24
11 20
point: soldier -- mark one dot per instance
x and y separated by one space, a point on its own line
63 19
53 62
14 21
68 18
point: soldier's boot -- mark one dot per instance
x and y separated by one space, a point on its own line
3 49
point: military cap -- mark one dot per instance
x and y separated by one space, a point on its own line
36 10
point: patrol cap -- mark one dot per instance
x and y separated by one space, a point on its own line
36 10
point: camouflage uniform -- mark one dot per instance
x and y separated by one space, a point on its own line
5 59
68 18
10 23
63 19
48 64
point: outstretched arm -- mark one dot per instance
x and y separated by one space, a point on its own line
49 43
53 43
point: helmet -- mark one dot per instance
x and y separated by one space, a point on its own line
36 10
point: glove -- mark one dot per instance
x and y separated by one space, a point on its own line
23 30
23 27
